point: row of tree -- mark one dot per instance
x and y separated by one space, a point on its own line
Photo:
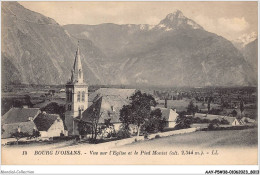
138 114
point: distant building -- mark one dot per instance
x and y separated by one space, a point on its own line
231 120
169 115
62 90
49 125
247 120
19 119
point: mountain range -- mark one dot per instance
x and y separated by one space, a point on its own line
244 40
175 52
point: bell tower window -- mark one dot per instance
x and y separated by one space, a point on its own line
79 73
78 97
83 96
69 96
79 112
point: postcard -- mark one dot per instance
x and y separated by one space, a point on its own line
129 83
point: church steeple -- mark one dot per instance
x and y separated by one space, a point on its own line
76 96
77 73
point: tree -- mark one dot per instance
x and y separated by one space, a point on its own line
224 122
209 101
183 122
35 134
234 113
242 107
125 118
94 127
155 123
18 135
83 128
139 110
215 111
192 109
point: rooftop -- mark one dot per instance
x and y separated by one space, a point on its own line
44 121
18 115
105 107
124 93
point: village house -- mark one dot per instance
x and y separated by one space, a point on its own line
169 115
247 120
27 120
19 119
231 120
49 125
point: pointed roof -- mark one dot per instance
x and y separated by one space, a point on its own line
77 62
44 121
77 72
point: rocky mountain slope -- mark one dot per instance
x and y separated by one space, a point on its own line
250 52
244 39
176 52
36 49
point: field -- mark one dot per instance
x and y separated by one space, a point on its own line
181 105
233 147
204 139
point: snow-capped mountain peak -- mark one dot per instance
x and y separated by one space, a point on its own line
174 15
246 38
176 20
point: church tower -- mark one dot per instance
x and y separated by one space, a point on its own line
76 96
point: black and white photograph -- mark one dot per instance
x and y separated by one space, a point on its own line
129 83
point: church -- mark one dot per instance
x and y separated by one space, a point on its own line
105 103
76 96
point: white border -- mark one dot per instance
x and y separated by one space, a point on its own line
132 169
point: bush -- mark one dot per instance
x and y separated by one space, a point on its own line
157 136
121 134
215 111
184 122
211 126
146 135
109 135
234 113
224 122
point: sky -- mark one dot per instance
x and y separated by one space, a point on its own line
228 19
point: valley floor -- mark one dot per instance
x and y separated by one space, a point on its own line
232 146
204 139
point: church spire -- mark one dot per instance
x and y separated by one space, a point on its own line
77 73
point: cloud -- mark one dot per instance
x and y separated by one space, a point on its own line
153 20
234 24
229 28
